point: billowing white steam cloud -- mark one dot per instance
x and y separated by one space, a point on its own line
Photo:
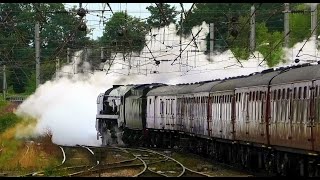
67 105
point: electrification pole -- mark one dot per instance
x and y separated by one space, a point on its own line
68 55
102 54
181 29
314 25
57 67
211 28
4 85
286 24
253 29
37 46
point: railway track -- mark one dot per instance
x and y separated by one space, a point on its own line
169 167
118 161
71 155
138 162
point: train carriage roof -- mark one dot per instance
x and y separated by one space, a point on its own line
188 88
257 79
205 87
173 89
164 90
294 74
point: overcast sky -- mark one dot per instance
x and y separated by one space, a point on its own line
134 9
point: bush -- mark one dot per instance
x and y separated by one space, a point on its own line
8 120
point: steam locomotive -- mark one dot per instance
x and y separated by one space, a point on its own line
267 120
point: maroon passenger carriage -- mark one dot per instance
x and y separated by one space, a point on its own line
267 120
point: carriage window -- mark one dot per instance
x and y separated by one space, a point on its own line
260 97
294 93
305 92
257 95
274 94
288 93
299 92
279 94
239 96
150 101
253 95
250 96
283 94
161 107
171 106
167 104
316 91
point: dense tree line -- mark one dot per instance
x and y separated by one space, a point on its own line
125 34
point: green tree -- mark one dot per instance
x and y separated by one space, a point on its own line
59 30
269 44
239 43
218 13
57 27
15 30
159 19
300 24
124 33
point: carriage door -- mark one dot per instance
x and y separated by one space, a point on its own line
316 115
301 122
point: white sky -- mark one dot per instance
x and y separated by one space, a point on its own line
134 9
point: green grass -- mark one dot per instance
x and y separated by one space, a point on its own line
3 104
8 120
13 145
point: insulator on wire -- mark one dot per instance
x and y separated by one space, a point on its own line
81 12
234 19
120 32
114 43
82 26
234 32
103 60
157 62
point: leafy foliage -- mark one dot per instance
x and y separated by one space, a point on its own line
269 45
269 27
8 120
58 30
239 44
156 19
123 33
300 24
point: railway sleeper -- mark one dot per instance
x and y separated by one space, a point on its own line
249 157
